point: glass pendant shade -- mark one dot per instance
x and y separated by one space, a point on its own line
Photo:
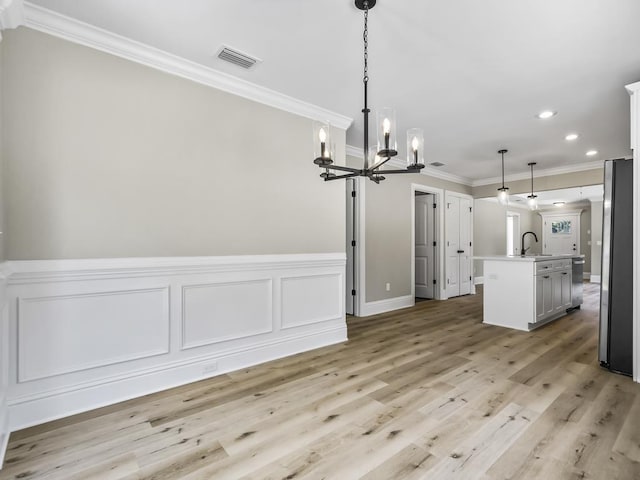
323 147
386 128
503 196
415 148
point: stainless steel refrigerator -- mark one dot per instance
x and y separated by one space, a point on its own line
616 288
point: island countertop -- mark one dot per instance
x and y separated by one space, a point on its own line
527 258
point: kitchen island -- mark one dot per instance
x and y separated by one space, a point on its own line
526 292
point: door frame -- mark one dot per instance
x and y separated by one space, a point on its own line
511 213
439 292
550 216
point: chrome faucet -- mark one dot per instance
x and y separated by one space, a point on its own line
523 250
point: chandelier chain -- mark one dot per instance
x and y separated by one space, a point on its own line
365 37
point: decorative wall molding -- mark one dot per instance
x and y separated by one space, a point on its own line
4 364
90 330
162 322
203 306
382 306
53 23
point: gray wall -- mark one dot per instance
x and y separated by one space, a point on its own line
388 231
490 229
108 158
596 236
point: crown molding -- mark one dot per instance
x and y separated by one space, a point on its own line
11 14
541 173
354 151
633 88
75 31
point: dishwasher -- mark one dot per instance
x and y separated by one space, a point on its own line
577 271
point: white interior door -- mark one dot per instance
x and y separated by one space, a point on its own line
424 245
561 233
464 257
458 245
452 222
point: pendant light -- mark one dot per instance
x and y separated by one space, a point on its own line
533 199
387 146
503 192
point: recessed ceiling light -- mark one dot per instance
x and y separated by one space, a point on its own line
572 136
591 153
558 204
546 114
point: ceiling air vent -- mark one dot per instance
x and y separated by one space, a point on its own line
236 57
436 164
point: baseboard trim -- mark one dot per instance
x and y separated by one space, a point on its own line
478 280
388 305
594 278
26 412
586 275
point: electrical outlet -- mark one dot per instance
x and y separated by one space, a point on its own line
210 368
388 287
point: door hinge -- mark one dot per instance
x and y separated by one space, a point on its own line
434 282
353 193
470 209
469 278
434 205
434 244
469 243
353 292
447 281
353 243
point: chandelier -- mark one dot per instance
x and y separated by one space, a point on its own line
386 147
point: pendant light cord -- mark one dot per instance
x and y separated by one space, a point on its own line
503 170
365 81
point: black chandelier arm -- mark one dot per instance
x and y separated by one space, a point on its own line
386 172
342 168
380 163
338 177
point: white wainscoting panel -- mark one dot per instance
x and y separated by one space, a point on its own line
311 299
89 333
68 333
214 313
4 365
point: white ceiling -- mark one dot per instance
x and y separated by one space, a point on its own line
472 74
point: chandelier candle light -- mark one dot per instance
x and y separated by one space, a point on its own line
503 192
386 132
533 199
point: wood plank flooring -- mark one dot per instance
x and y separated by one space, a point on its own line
426 392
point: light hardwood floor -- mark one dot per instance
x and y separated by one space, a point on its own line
426 392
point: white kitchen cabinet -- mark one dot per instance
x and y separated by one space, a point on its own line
526 292
552 288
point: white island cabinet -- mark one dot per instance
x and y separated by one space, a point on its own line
526 292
